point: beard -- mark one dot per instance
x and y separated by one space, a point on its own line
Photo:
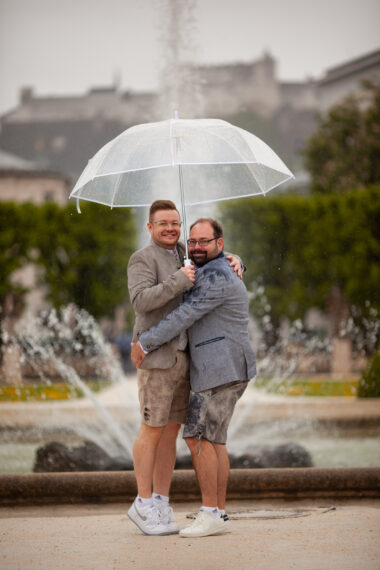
201 257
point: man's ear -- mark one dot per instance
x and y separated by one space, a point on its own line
220 242
149 226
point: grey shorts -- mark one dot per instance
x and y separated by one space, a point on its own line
164 393
210 412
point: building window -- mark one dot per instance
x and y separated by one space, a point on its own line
39 144
59 143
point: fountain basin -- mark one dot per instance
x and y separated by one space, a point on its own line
42 488
338 432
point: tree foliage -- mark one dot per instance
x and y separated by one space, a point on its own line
300 247
17 239
83 257
344 152
369 385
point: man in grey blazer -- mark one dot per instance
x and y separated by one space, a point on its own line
215 313
156 282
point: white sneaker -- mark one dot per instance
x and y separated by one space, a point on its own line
149 521
227 522
167 515
205 525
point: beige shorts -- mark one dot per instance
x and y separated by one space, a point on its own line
164 393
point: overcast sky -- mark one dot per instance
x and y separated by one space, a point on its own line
67 46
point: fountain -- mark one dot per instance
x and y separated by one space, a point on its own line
60 344
180 88
269 428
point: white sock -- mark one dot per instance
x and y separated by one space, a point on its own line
144 502
222 512
214 511
157 498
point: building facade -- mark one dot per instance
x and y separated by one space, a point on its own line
64 132
26 181
346 79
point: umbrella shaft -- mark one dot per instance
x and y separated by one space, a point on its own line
183 207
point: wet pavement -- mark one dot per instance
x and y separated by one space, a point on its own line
276 535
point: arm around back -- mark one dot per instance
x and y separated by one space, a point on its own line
209 292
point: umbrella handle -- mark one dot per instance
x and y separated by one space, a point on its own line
187 262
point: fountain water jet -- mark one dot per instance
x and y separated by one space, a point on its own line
179 88
50 345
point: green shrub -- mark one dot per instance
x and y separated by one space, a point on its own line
369 385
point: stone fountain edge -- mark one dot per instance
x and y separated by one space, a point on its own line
120 486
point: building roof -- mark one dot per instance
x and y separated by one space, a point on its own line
98 103
10 161
361 64
11 164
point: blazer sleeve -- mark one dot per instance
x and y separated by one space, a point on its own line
144 291
207 294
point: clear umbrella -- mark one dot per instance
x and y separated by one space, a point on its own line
188 161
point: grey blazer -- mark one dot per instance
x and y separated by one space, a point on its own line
215 312
156 286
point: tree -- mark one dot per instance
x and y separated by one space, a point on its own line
302 247
344 152
85 256
17 240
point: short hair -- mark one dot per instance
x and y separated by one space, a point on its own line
216 226
161 205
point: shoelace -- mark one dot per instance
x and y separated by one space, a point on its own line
155 515
166 512
200 516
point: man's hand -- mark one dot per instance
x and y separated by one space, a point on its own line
189 271
137 354
236 265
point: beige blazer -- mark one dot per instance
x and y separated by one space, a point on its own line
156 287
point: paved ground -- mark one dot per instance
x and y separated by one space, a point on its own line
92 537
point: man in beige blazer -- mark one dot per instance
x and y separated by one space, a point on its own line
157 282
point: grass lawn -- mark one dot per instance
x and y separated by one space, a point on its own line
39 392
321 385
317 385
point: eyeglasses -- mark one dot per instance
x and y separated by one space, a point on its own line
164 225
202 242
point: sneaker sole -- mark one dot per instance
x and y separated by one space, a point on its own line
150 533
193 535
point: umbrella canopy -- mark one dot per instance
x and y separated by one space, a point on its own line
189 161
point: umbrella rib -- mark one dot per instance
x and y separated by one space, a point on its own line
171 140
240 195
116 205
225 141
231 146
177 164
112 144
116 189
